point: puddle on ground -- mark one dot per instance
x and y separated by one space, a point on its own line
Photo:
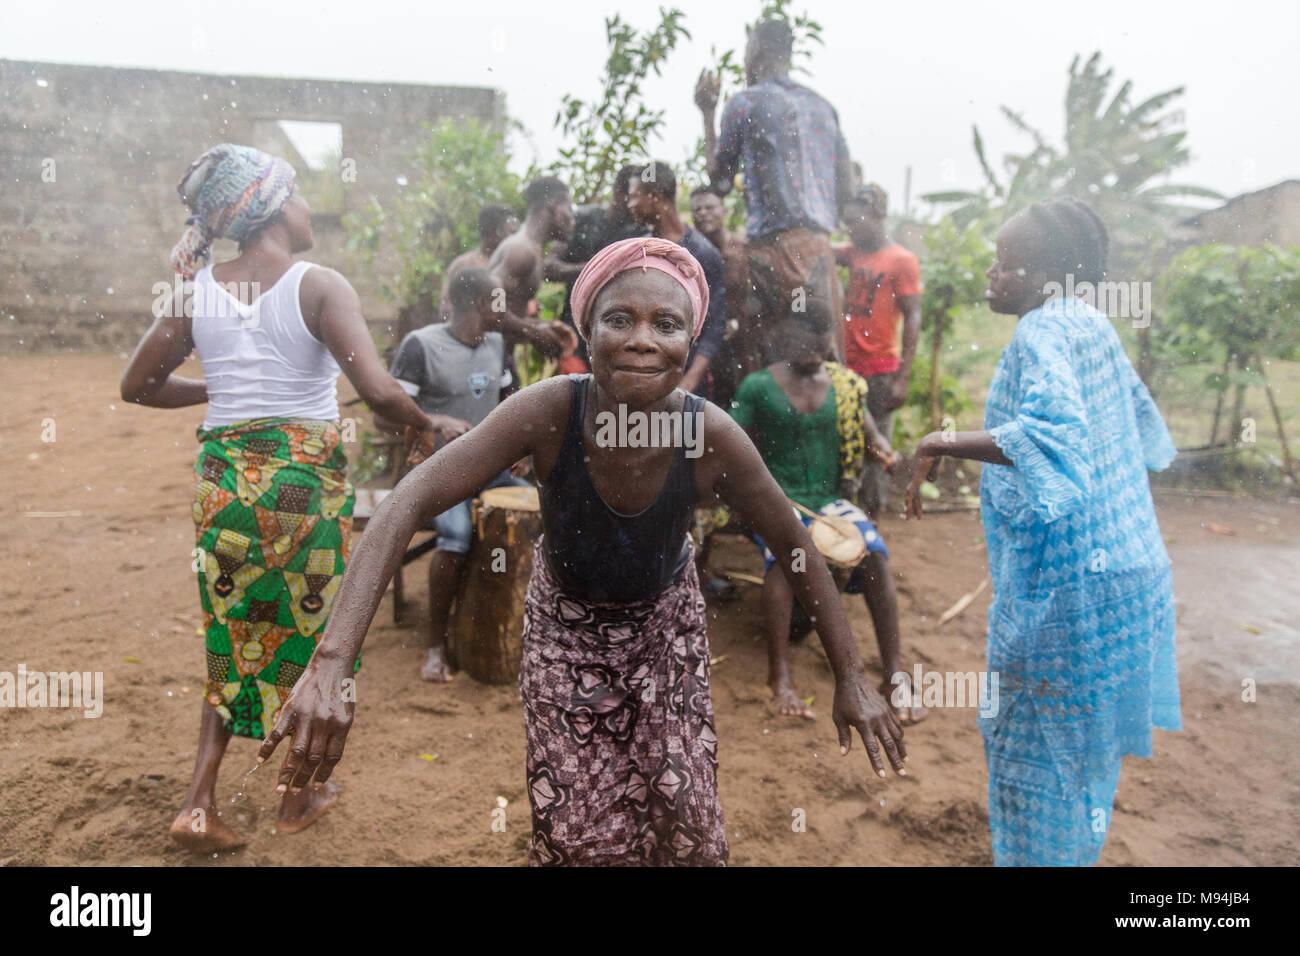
1223 590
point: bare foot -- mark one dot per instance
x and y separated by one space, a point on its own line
300 810
436 669
200 830
906 715
789 704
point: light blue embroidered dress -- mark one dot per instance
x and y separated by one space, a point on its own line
1081 629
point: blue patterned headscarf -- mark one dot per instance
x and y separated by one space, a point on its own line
231 191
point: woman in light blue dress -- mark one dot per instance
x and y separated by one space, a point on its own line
1081 628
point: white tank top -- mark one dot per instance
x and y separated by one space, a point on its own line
259 360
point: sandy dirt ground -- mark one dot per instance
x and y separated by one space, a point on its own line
95 576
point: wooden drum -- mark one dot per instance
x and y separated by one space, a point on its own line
485 638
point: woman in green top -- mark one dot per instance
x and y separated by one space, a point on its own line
793 413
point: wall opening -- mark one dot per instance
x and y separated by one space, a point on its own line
315 150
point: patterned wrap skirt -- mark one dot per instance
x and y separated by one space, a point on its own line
622 753
272 515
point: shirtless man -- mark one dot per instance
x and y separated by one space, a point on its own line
517 265
594 228
495 223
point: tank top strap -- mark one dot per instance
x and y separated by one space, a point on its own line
578 407
571 450
682 476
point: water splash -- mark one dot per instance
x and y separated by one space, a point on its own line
240 798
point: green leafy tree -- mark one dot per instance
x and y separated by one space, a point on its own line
1232 307
459 168
1114 153
617 127
953 273
806 31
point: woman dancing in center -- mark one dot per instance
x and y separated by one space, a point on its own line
621 761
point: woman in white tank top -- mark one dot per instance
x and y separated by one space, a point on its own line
272 505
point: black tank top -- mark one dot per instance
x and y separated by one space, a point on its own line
597 553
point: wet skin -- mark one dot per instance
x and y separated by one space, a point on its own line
477 258
804 379
518 263
331 311
640 337
650 209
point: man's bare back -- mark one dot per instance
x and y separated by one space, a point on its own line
517 263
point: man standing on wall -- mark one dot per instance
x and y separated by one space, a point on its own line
798 175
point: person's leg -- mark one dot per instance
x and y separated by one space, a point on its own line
774 279
1036 817
197 827
454 528
444 575
881 598
506 479
837 306
873 494
778 603
817 263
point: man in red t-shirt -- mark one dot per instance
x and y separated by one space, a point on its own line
884 286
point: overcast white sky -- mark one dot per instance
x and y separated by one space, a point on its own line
908 79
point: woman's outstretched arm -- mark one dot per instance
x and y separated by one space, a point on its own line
974 446
318 714
744 483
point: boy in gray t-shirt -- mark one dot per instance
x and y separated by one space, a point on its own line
456 370
448 376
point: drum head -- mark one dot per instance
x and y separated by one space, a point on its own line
521 498
839 541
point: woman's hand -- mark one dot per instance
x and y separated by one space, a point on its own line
924 468
889 458
423 442
859 705
449 428
420 444
318 714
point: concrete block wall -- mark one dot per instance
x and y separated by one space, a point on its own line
89 161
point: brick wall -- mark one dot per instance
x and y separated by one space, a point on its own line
90 158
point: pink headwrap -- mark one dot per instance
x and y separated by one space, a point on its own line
650 253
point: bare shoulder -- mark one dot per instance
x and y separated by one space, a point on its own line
540 415
727 448
325 292
474 259
543 403
516 254
322 282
